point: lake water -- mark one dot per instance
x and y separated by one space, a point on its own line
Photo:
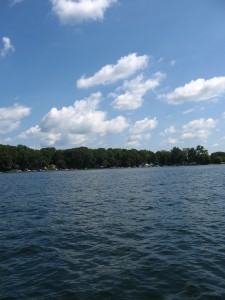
151 233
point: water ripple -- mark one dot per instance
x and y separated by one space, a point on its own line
113 234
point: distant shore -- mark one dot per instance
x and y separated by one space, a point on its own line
24 159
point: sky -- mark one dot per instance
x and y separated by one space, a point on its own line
143 74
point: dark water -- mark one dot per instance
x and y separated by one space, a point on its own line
156 233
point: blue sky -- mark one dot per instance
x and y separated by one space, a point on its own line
144 74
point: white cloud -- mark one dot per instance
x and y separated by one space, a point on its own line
77 11
170 141
216 145
138 140
144 125
140 131
10 117
78 124
32 132
135 90
169 130
173 63
14 2
6 141
188 111
196 90
198 129
124 68
173 141
7 47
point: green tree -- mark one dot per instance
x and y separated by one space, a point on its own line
25 157
5 159
163 158
47 155
100 157
202 156
191 155
218 157
177 156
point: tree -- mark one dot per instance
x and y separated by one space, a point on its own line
47 155
177 156
25 157
202 156
218 157
15 157
5 159
163 158
58 159
191 155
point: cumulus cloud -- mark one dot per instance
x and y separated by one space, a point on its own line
77 11
144 125
77 124
169 130
198 129
10 117
140 131
172 141
138 140
32 132
7 47
135 90
124 68
196 90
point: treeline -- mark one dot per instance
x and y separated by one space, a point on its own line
24 158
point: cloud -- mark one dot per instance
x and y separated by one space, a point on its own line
198 129
160 60
172 141
135 90
173 63
124 68
216 145
7 47
14 2
169 130
144 125
188 111
78 11
78 124
223 115
32 132
138 140
196 90
10 117
140 131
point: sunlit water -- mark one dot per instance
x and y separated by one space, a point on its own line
152 233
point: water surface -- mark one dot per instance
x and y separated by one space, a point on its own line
151 233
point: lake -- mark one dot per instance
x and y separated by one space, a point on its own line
140 233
